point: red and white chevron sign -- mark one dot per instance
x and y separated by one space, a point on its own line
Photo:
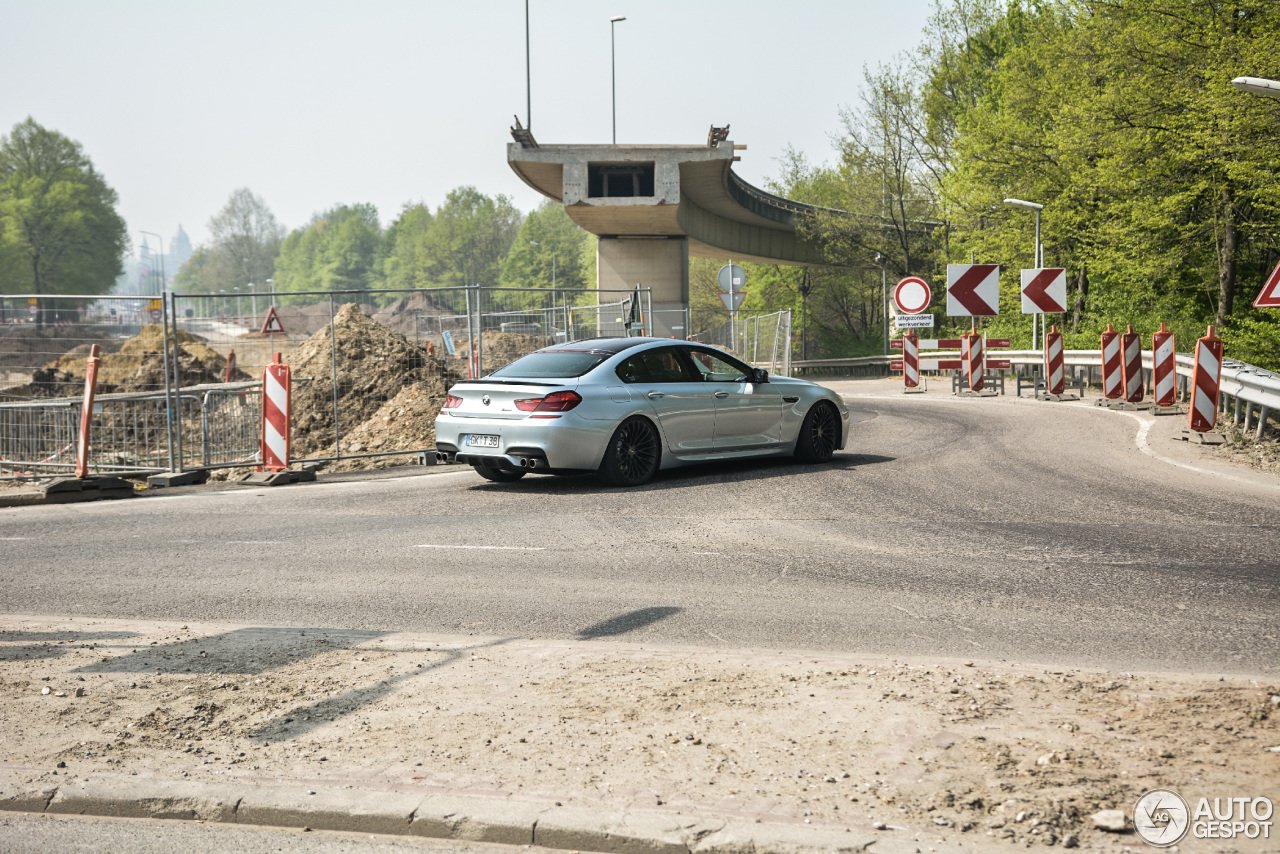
973 290
1054 371
275 416
1162 367
1111 370
1208 374
1044 290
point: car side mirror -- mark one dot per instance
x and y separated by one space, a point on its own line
759 375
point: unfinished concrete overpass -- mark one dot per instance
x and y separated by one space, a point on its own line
652 206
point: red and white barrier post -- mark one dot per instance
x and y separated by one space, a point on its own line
910 360
1055 378
1163 370
1111 364
1208 375
275 416
231 366
86 412
1134 384
973 354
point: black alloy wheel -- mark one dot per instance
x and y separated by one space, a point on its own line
633 454
819 434
490 471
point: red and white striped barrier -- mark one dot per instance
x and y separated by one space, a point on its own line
1111 364
1208 374
1134 385
973 354
231 366
275 416
1055 375
910 361
86 412
1163 367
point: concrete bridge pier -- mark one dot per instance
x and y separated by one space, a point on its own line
658 262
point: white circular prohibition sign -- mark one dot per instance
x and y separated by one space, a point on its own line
912 295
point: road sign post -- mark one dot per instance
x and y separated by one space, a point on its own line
732 280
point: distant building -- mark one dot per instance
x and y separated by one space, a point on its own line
180 250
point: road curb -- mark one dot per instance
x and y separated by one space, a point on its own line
476 819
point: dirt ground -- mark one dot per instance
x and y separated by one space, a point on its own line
1259 454
931 750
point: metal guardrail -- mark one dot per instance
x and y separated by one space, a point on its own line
1246 383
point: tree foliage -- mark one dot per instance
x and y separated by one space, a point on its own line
59 230
336 251
245 239
1158 179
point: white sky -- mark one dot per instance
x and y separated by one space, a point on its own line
312 103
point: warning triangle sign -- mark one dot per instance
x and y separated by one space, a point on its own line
1270 296
271 324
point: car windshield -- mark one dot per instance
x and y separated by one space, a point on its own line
551 364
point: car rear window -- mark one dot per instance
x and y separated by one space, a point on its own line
551 364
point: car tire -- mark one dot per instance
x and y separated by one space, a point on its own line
819 434
633 454
490 471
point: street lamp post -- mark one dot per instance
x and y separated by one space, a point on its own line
613 64
164 280
1258 86
1037 251
253 300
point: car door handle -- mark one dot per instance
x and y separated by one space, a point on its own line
654 395
721 394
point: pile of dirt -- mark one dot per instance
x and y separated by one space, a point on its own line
404 423
1260 454
402 315
374 364
26 347
499 349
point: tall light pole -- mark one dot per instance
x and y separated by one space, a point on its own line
253 300
528 78
1036 253
613 63
164 280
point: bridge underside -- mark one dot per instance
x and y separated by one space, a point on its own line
655 206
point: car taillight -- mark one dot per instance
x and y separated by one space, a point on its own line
557 401
451 402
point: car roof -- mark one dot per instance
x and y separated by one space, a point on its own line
612 346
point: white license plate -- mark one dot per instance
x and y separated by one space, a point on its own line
476 440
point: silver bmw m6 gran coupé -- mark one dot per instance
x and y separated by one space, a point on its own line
627 407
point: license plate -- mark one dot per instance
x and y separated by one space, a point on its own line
476 440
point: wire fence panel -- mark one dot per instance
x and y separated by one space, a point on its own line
178 384
760 337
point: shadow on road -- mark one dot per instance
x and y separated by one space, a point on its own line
700 474
627 622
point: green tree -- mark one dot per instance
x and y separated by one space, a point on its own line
548 247
59 230
469 237
402 260
336 251
245 239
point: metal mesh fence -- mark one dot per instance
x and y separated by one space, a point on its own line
760 337
178 384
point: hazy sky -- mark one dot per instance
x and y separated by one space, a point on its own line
316 103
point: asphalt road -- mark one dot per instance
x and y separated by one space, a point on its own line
985 529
